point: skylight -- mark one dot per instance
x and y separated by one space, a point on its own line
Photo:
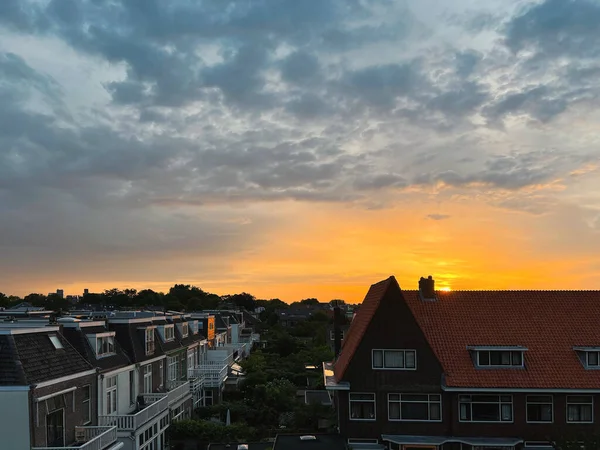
55 341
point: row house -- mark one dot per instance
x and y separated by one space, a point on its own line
143 361
470 370
47 393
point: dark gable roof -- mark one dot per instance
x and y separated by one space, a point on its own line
78 338
11 369
131 337
548 323
359 325
31 358
219 322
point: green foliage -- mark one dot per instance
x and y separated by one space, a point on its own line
210 431
36 299
243 300
577 442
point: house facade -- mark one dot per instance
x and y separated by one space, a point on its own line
48 392
486 369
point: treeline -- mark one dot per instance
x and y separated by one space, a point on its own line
179 297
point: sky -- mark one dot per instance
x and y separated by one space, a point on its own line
296 149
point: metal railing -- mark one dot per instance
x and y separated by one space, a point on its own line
197 377
93 438
178 390
129 422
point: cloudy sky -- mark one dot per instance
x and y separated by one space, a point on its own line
299 148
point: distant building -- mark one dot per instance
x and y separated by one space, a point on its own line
60 293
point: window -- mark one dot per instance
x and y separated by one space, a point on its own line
173 368
87 405
362 406
332 335
55 403
148 379
185 329
592 359
161 374
55 341
169 332
132 387
485 408
395 359
111 395
415 407
539 408
500 358
190 359
580 408
149 341
105 345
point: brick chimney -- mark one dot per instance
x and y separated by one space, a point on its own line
427 288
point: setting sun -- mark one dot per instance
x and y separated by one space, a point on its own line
446 289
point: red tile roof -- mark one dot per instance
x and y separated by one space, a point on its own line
548 323
359 325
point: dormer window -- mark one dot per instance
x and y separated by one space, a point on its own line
105 345
169 333
149 340
184 329
498 357
589 356
102 343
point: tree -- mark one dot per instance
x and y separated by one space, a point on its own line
57 303
4 302
309 302
36 299
243 300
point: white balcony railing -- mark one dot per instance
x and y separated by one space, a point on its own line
215 372
178 391
156 403
197 378
89 438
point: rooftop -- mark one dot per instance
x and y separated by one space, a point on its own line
309 442
549 324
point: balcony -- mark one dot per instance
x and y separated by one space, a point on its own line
178 391
89 438
155 404
197 378
215 372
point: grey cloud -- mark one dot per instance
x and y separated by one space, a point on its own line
380 181
539 102
438 216
512 172
555 28
300 67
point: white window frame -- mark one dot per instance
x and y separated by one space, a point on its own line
429 402
374 401
567 404
149 340
169 330
529 402
173 368
147 379
499 403
185 329
111 396
87 408
383 350
99 341
501 366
